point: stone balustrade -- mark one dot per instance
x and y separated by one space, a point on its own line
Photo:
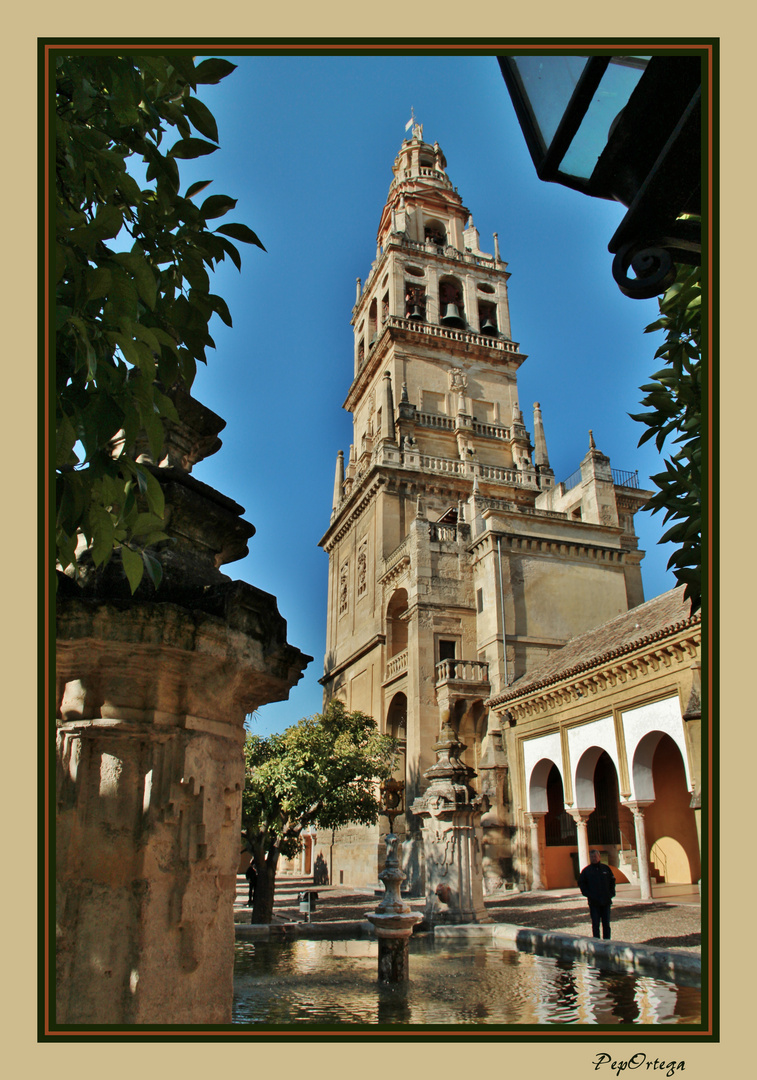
467 337
470 671
396 665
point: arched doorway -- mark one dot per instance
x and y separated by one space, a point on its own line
609 824
535 850
659 775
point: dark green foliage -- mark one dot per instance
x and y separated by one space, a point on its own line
132 291
323 771
674 399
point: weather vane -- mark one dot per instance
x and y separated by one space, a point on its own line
417 128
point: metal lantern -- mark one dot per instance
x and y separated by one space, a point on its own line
625 128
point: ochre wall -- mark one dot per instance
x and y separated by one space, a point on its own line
670 813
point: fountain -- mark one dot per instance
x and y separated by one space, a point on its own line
450 811
393 920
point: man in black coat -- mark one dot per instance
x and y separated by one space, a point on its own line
597 883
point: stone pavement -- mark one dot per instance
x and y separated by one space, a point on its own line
671 920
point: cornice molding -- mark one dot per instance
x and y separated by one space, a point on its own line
349 514
375 641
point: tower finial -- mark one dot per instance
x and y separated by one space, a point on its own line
412 123
338 480
540 443
592 444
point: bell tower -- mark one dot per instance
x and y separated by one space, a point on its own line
455 561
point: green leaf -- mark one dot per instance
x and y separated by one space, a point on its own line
213 70
220 306
153 568
240 232
217 205
191 148
133 567
197 187
202 118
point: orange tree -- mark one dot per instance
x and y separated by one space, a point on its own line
323 771
674 401
132 291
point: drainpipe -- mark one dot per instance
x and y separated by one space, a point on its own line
502 609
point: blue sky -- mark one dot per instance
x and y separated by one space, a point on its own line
307 145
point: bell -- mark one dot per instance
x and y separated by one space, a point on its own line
415 313
451 316
489 328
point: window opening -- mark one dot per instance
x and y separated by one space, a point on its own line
415 302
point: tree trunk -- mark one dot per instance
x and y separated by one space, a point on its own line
262 909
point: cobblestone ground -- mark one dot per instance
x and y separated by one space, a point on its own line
656 923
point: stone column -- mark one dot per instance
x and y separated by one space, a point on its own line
152 694
532 820
497 849
642 854
581 817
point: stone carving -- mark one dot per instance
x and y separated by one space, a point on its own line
362 569
458 380
343 590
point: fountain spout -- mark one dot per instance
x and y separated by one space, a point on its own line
393 920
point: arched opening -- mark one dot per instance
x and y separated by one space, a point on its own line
559 826
415 301
372 322
487 318
451 306
670 825
434 230
396 624
610 825
537 785
604 826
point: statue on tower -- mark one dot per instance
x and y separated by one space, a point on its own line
412 123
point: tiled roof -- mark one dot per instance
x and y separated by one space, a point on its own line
633 629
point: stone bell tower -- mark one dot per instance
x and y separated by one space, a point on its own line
455 560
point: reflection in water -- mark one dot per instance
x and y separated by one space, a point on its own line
331 983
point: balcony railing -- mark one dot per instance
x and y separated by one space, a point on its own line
442 531
469 671
465 336
396 665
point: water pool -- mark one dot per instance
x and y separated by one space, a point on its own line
328 983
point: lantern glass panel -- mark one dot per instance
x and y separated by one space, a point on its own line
548 84
611 97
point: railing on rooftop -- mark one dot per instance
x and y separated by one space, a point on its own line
573 480
620 477
624 478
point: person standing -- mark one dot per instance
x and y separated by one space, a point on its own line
597 883
252 876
